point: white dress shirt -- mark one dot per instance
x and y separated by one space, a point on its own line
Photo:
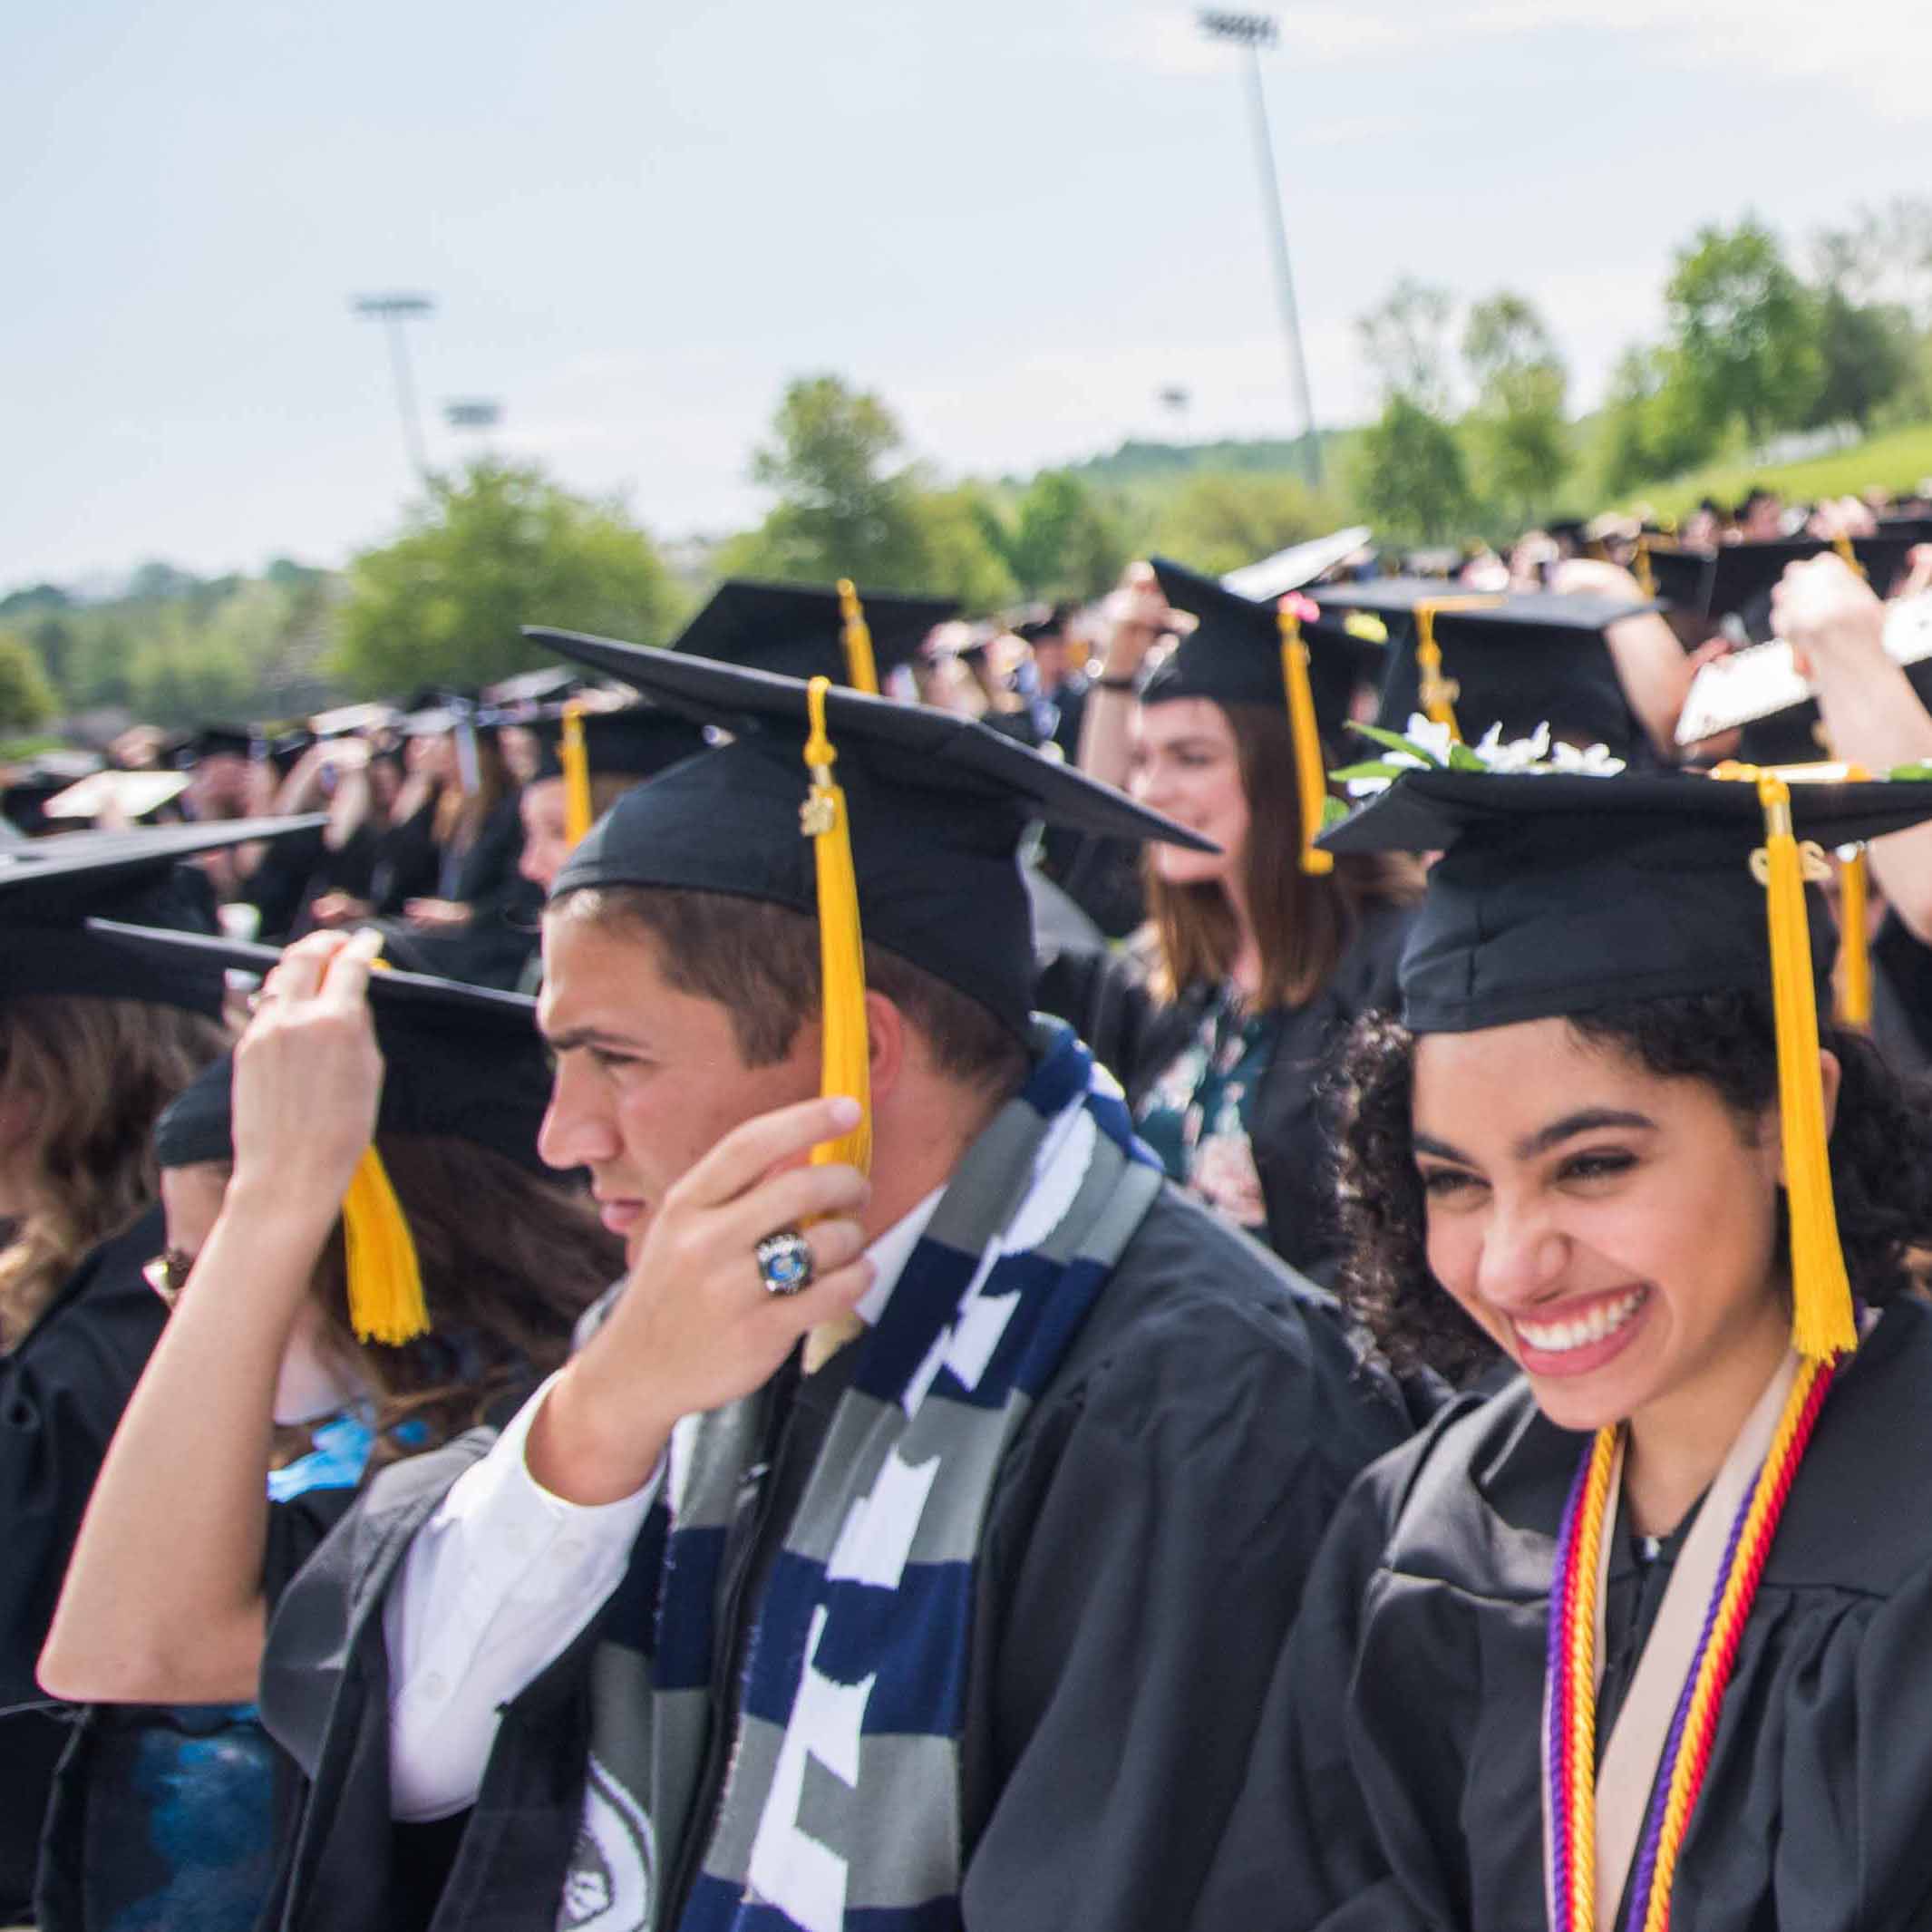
503 1578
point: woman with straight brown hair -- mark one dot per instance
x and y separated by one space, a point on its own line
1258 959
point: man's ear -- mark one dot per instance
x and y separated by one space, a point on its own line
887 1043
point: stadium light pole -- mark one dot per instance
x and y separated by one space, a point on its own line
392 311
1253 32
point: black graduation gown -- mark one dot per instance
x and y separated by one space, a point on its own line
124 1843
61 1391
1107 1002
1396 1785
1149 1537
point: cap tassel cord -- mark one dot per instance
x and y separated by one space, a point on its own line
861 671
1310 769
1437 693
575 757
1854 951
845 1063
1646 579
1822 1317
386 1302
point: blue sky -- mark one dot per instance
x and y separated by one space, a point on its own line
1018 219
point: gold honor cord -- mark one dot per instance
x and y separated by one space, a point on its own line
845 1063
386 1303
861 672
575 757
1822 1317
1310 770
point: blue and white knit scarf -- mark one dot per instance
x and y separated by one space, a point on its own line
840 1808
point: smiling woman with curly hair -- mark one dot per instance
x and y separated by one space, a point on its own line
1609 1147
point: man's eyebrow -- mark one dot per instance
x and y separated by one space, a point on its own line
574 1037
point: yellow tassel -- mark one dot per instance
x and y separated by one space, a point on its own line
1842 545
1437 693
1310 768
575 758
860 672
386 1281
386 1303
846 1057
1854 953
1822 1317
1646 579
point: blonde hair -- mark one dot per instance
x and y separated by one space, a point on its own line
93 1073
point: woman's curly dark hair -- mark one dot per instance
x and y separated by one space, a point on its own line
1881 1159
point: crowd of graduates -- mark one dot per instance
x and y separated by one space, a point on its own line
1249 1257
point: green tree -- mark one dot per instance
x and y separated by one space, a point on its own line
1744 330
1655 429
1412 481
1865 358
1217 520
1521 392
1062 541
496 548
27 699
958 561
843 508
1406 342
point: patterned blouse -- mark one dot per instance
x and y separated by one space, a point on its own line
1196 1114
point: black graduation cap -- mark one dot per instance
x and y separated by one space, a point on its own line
528 689
938 806
286 749
1561 895
1518 660
216 740
50 886
799 629
458 1060
1682 575
634 741
1743 575
1905 527
1233 653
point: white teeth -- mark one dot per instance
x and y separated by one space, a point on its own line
1556 1338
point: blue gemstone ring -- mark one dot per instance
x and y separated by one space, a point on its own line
785 1263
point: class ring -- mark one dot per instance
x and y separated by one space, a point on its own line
785 1263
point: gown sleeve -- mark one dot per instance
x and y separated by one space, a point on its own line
1148 1559
1303 1848
61 1391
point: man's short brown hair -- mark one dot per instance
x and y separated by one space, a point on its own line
759 962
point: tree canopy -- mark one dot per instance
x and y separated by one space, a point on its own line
492 549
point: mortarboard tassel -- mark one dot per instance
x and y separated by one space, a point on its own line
1821 1319
1437 693
386 1303
385 1280
1310 769
575 758
860 672
845 1063
1854 951
1646 579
